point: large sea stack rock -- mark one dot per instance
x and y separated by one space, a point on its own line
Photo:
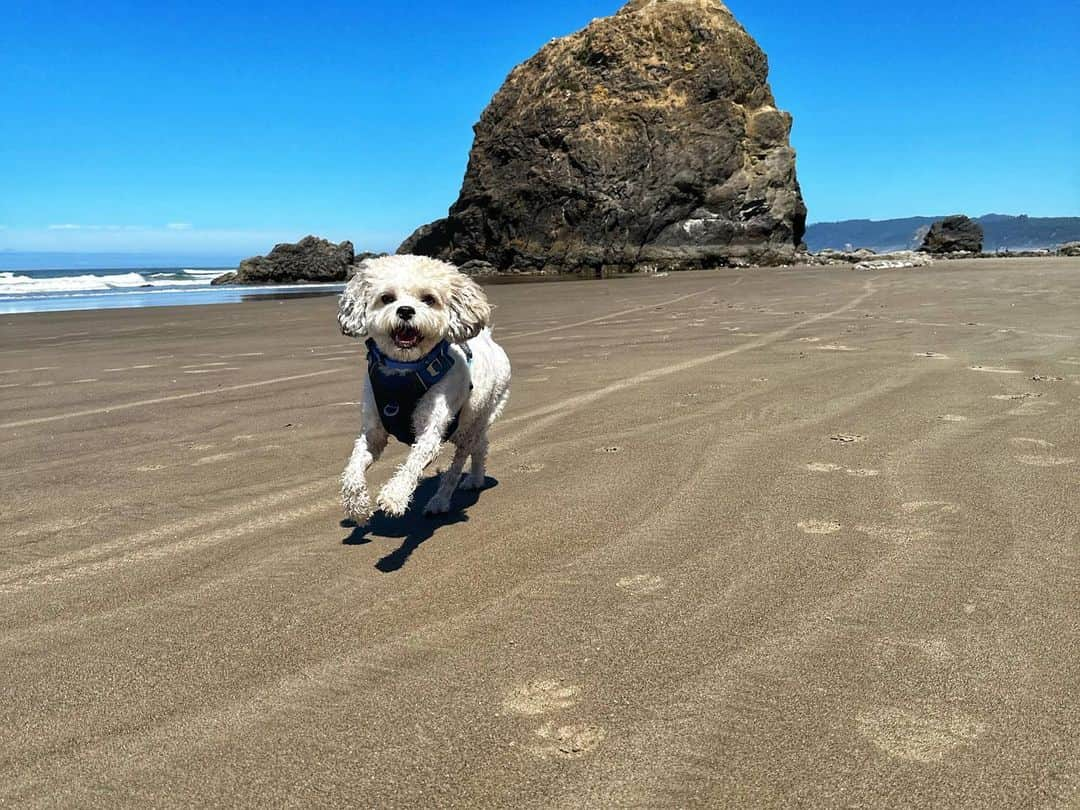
955 234
309 260
650 138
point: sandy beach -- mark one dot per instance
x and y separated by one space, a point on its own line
803 537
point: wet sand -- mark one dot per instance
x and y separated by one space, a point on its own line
757 538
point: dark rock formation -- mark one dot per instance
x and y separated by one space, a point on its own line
649 139
956 234
1069 249
309 260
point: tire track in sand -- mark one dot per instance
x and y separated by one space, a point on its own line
123 406
543 416
600 318
41 572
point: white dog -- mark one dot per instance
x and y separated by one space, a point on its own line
434 374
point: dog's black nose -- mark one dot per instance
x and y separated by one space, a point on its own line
406 313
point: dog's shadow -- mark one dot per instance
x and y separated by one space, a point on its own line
414 528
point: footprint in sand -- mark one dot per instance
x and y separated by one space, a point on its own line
952 417
932 355
1015 397
214 459
847 438
1045 461
150 468
540 697
919 736
825 467
837 347
994 370
1021 441
641 584
1033 408
529 468
610 450
818 526
571 741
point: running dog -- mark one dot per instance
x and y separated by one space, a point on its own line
435 375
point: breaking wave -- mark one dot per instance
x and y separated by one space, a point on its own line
17 284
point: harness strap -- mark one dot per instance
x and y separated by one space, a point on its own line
397 394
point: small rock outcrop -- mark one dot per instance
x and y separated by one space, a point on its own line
955 234
1069 249
648 140
311 260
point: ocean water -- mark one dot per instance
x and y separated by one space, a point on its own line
57 290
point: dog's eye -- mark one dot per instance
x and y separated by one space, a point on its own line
388 298
429 300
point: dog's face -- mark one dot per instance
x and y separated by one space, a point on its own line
407 304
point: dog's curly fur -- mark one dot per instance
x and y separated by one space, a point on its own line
445 303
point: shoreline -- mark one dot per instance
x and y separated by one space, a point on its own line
155 298
144 297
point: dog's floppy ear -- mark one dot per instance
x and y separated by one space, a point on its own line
469 309
352 307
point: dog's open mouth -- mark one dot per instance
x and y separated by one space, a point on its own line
406 337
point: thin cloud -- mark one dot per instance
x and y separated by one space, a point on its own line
179 226
71 226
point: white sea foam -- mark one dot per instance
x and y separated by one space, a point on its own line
201 288
15 284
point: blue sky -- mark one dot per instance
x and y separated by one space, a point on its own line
217 129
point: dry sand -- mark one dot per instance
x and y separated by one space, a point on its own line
759 538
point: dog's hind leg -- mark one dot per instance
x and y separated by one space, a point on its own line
440 501
475 479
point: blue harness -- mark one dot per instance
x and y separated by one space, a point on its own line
396 394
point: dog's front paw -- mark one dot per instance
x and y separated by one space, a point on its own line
393 501
356 503
438 505
472 482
